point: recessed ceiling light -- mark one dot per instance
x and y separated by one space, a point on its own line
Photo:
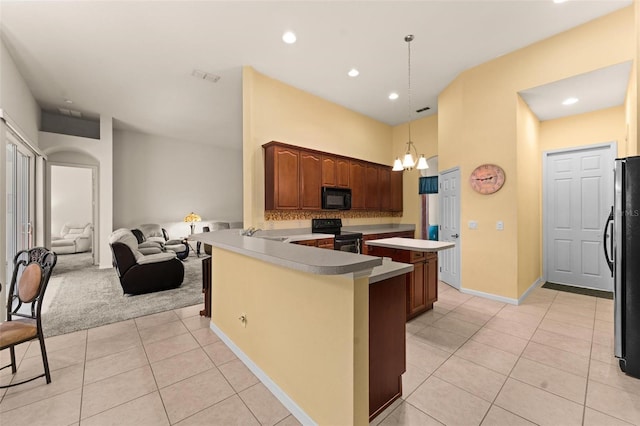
68 101
393 96
353 72
559 1
289 37
569 101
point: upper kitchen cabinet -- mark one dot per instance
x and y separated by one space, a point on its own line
311 168
396 191
342 172
384 183
328 170
373 193
357 182
282 174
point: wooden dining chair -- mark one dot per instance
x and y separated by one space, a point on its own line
31 273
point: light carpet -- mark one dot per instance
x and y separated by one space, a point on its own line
81 296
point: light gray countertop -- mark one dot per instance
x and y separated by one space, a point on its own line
411 244
389 269
307 259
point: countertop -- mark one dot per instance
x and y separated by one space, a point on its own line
411 244
389 269
307 259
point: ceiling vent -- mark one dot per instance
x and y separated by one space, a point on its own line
205 76
69 112
423 109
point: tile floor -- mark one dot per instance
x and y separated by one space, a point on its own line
470 361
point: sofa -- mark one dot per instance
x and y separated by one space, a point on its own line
139 273
73 238
153 233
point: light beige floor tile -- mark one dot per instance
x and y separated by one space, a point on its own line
532 309
596 418
219 353
407 414
576 299
167 348
454 298
495 359
565 343
266 407
500 417
112 345
558 382
62 409
426 357
62 381
196 323
520 317
189 396
448 404
144 411
566 329
57 343
470 315
603 353
115 390
111 330
601 338
611 375
441 339
289 421
524 331
190 311
483 305
573 310
614 402
156 319
427 318
171 370
453 325
413 328
230 412
238 375
443 308
412 378
57 359
499 340
567 318
603 326
205 336
110 365
386 412
548 355
538 406
474 378
162 331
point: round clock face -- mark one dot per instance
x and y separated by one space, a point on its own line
487 178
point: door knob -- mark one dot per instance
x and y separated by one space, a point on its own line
455 236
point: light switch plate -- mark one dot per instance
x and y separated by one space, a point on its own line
473 224
500 225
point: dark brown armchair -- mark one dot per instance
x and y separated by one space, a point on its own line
31 273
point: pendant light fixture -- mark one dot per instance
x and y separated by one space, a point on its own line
409 162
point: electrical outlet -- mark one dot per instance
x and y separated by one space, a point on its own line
500 225
473 224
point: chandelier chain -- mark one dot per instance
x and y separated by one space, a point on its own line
408 39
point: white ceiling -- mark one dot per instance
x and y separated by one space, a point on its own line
133 60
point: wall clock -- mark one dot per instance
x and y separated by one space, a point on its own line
487 178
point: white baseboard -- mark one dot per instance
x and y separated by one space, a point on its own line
265 379
502 299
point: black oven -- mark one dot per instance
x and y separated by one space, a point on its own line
342 240
336 198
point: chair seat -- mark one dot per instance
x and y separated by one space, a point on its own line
12 332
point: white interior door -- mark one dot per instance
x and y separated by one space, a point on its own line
449 200
578 195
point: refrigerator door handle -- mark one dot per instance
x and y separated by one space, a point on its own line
606 235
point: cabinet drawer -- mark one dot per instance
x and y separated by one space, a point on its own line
313 243
417 256
326 243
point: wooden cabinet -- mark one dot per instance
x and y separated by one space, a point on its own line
422 283
357 181
328 170
396 191
384 184
326 243
310 180
373 193
402 234
342 172
282 175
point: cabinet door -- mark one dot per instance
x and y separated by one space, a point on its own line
281 178
310 180
416 283
432 278
396 191
384 184
328 170
310 243
342 173
326 243
372 194
356 178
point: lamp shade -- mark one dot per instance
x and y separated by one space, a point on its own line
422 163
192 217
408 161
397 165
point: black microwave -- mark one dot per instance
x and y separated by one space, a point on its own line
336 198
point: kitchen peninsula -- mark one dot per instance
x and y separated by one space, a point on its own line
311 323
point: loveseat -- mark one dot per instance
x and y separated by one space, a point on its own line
73 238
139 273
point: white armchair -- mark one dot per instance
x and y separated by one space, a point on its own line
73 238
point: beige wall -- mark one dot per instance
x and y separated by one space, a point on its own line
309 333
273 110
477 123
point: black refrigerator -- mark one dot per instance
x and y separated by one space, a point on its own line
622 249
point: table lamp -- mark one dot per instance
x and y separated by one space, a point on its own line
191 218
